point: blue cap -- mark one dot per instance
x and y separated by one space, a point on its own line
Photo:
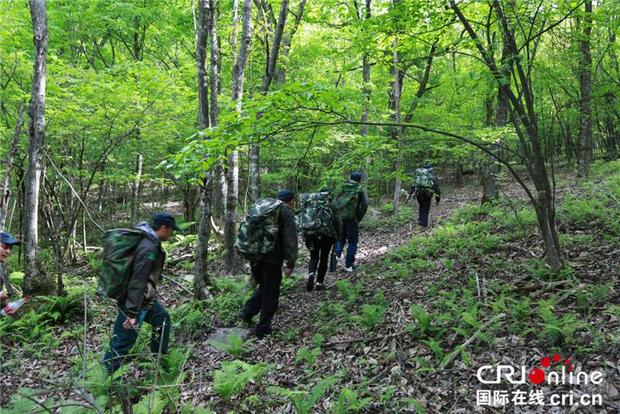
8 239
165 219
286 195
356 176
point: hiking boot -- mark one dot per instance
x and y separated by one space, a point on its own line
350 269
320 286
310 282
245 318
260 334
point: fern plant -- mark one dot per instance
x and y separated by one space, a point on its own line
349 402
233 345
371 315
234 376
304 401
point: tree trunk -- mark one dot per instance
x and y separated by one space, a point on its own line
201 275
524 119
135 190
233 40
585 85
201 56
366 93
280 74
232 195
269 76
397 132
34 281
5 197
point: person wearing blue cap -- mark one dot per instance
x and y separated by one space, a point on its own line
139 303
351 204
7 241
267 271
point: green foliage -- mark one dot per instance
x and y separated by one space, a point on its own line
371 315
304 401
350 402
190 320
61 308
231 294
557 330
234 376
233 345
350 293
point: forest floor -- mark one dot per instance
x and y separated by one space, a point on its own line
406 332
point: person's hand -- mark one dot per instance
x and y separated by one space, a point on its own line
3 295
129 323
288 271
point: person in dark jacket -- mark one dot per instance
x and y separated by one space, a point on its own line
267 272
424 195
350 228
139 303
320 247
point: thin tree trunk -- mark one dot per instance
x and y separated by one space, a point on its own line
366 93
232 196
201 57
135 190
280 74
585 84
33 280
201 275
394 106
269 76
233 40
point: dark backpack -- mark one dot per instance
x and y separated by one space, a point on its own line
119 247
346 202
258 234
316 216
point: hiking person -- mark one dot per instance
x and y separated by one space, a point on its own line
7 241
320 227
424 187
351 205
268 238
138 302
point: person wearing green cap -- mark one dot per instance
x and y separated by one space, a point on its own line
139 303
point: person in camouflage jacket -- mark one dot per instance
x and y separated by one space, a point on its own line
139 303
320 247
350 227
267 272
424 195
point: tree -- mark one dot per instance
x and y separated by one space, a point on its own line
34 280
585 86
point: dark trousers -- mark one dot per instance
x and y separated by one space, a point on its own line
350 234
123 339
424 199
320 248
265 298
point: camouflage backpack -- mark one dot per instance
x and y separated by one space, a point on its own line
258 234
316 217
119 247
424 178
346 202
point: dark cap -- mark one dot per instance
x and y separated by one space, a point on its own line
325 190
7 238
165 219
356 176
286 195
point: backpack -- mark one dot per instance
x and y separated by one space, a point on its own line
346 202
316 217
258 234
424 179
119 247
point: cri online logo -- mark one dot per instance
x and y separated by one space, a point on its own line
488 374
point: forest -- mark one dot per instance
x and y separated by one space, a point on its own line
189 114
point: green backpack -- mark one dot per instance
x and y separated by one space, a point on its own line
424 178
119 247
316 217
346 202
258 234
